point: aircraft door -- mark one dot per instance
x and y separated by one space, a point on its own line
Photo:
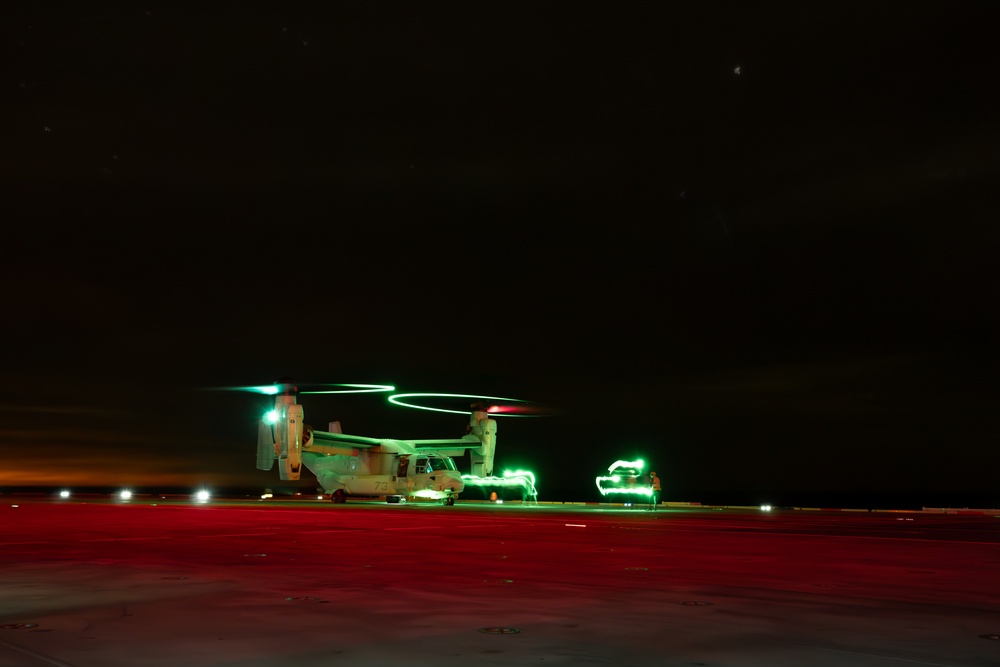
418 475
402 476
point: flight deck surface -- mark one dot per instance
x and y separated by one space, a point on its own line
252 583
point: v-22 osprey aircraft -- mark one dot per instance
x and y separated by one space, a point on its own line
352 465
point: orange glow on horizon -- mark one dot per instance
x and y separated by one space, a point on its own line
138 478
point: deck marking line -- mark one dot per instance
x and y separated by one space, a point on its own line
884 657
37 656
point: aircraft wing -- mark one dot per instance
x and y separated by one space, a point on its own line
324 442
344 443
345 440
448 447
364 441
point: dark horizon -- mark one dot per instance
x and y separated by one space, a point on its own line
753 245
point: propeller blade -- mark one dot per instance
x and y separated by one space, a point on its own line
520 410
266 390
348 388
458 404
310 388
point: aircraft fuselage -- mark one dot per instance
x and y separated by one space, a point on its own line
425 475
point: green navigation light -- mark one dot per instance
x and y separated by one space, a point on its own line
271 417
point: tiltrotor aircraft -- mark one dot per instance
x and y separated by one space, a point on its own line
353 465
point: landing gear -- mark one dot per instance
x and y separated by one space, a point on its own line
449 501
338 496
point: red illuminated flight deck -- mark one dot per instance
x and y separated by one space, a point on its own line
155 582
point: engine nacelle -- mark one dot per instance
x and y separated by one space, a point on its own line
265 446
484 428
280 437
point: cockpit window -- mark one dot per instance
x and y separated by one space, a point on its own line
442 463
434 463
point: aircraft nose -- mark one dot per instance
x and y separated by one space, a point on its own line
454 480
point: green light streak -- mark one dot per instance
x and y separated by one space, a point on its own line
396 399
267 389
610 483
526 476
637 465
349 388
512 479
623 491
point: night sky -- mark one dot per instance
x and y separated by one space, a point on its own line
753 243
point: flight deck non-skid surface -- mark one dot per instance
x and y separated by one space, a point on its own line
94 584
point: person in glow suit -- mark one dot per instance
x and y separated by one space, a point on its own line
654 486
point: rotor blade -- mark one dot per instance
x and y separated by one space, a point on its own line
348 388
310 388
521 410
460 404
267 390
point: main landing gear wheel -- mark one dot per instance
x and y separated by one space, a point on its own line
449 501
338 496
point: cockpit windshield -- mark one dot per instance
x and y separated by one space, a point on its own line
441 463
